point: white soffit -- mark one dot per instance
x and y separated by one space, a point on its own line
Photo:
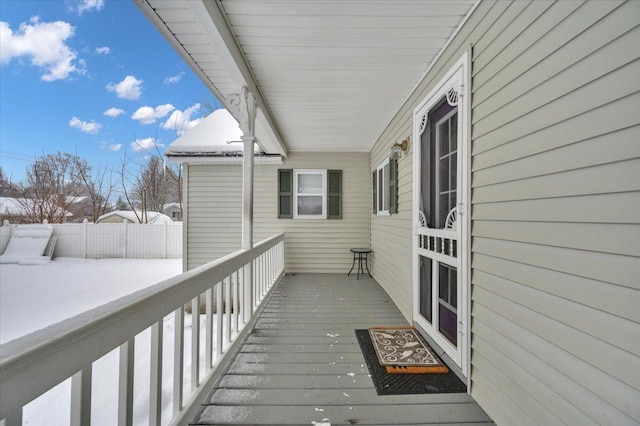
328 74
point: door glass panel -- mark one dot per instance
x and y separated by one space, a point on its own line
425 288
447 302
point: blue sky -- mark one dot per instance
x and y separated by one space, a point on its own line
91 77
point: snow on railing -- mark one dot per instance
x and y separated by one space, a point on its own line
33 364
112 240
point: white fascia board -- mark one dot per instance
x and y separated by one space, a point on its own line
208 159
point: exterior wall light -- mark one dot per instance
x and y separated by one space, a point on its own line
398 148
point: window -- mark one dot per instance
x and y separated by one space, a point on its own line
309 194
385 188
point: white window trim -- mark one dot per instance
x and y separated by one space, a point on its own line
296 173
382 191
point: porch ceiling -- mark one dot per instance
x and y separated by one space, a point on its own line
328 75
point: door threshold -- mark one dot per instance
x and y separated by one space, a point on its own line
442 354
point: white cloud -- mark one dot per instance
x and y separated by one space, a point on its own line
114 112
89 5
44 44
104 50
173 79
148 115
90 127
115 146
145 144
180 121
129 88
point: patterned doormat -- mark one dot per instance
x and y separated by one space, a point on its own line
402 350
404 384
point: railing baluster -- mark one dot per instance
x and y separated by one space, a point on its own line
13 419
125 384
155 378
209 328
236 293
195 343
227 309
178 359
81 397
219 320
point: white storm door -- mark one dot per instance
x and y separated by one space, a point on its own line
440 240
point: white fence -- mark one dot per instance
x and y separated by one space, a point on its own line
234 288
112 240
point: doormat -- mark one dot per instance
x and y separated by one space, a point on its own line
402 351
404 384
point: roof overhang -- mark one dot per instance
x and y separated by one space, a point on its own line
326 75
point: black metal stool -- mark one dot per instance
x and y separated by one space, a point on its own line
360 254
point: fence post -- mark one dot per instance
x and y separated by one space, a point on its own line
166 239
126 237
86 238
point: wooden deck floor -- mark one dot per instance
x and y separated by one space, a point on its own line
303 364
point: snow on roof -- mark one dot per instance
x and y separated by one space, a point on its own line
209 137
22 206
11 206
154 218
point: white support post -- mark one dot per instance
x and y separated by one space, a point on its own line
246 109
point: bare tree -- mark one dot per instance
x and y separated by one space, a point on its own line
150 185
97 187
51 185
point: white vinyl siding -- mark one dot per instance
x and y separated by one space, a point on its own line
312 245
555 185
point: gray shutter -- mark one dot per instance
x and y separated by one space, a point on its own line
375 192
285 193
393 186
334 194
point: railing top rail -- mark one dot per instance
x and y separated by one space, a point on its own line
88 336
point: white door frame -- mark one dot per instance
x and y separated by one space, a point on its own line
453 85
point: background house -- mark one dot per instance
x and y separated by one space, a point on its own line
119 216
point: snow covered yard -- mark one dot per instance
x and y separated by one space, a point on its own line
33 297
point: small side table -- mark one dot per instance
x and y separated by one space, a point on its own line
360 255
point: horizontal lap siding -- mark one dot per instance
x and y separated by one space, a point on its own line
555 202
213 212
214 216
555 209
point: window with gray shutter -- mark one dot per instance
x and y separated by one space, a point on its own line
287 196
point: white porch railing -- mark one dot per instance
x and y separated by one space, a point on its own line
31 365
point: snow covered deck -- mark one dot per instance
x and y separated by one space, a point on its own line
303 365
